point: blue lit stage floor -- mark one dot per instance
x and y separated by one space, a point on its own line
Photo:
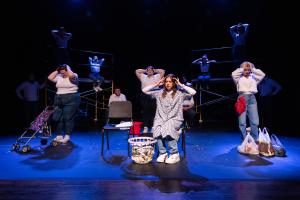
211 155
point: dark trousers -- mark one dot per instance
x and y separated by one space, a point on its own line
65 112
265 111
148 105
239 54
96 77
189 116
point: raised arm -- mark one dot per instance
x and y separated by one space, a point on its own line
69 35
237 74
258 74
161 72
189 90
147 89
232 30
52 76
139 73
197 61
54 33
72 76
246 27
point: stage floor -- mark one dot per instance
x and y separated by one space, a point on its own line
212 165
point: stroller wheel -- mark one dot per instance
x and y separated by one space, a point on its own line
16 147
44 141
26 149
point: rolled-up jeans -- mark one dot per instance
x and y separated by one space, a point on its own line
66 107
172 145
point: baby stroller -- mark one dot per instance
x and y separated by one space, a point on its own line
38 128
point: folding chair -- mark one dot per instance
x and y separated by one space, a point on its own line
183 137
117 110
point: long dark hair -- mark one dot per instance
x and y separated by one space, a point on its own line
174 89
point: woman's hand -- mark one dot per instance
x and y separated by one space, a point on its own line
161 81
177 82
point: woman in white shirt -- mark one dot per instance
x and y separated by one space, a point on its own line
246 79
67 100
147 77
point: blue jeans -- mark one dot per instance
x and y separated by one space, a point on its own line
65 112
252 113
172 145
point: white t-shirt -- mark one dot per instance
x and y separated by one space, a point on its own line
188 101
114 97
146 80
64 85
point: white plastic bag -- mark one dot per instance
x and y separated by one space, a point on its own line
248 146
264 143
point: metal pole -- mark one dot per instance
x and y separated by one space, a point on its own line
96 107
200 103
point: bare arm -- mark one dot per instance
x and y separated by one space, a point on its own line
246 27
232 30
139 73
212 61
161 72
71 74
54 33
52 76
148 88
69 35
197 61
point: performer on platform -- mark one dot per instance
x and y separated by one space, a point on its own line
239 33
204 64
61 52
95 69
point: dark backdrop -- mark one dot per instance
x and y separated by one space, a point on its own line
158 32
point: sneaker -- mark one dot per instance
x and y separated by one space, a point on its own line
145 129
174 158
58 138
162 158
66 139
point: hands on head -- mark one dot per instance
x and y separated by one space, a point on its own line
162 81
